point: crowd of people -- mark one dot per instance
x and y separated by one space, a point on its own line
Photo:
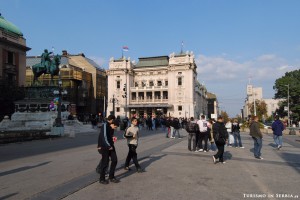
203 136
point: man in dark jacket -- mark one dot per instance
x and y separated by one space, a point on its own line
107 149
221 137
257 137
192 128
277 128
176 126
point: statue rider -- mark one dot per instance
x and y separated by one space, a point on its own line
45 60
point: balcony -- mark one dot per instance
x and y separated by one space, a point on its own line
147 101
148 88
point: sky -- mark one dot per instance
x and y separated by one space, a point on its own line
233 41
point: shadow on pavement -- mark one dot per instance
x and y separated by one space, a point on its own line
8 196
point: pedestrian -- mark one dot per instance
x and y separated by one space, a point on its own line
132 135
257 136
220 137
213 146
107 149
149 124
236 134
176 126
203 136
277 127
229 131
192 128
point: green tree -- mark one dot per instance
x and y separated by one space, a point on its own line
291 79
261 109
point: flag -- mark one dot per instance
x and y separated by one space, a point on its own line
125 48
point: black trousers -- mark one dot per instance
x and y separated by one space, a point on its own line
203 136
132 155
105 162
220 152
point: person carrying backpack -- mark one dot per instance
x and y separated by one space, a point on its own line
203 136
192 128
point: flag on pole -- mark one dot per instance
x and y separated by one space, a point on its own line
125 48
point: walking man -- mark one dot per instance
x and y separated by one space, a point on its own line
221 137
277 128
192 128
107 149
132 135
203 128
236 134
257 137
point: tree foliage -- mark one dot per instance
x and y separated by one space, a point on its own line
225 116
261 108
293 80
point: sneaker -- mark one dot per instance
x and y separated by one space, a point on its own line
180 138
104 182
214 160
242 147
127 168
200 150
223 162
172 137
279 147
260 158
204 151
114 180
140 170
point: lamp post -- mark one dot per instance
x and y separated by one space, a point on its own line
60 93
288 101
113 100
254 103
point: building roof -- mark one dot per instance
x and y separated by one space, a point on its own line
9 27
211 95
153 61
32 60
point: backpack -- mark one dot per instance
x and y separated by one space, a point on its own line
126 136
203 126
190 128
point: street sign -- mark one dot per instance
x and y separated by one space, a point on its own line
286 108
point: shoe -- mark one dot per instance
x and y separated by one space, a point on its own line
114 180
279 147
223 162
104 182
127 168
200 150
140 170
180 138
242 147
204 151
260 158
214 159
172 137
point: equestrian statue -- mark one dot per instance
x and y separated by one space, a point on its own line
46 66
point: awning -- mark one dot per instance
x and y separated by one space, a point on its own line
150 106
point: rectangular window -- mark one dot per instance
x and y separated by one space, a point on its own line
10 58
166 83
159 83
179 80
136 84
179 108
118 109
118 84
151 83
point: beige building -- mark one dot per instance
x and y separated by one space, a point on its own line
12 64
257 94
162 85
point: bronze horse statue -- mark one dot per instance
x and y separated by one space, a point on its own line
39 69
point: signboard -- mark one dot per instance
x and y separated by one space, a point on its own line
213 116
286 108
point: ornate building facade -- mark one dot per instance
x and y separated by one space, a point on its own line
162 85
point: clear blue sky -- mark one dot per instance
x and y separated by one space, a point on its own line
232 40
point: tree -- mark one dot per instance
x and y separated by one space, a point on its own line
225 116
293 80
261 109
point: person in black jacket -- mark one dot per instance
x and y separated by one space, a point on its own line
221 137
107 149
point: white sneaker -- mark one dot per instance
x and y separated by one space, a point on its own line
223 162
204 151
172 137
200 150
279 147
242 147
214 159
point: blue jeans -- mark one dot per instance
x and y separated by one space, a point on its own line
237 136
176 131
278 140
257 146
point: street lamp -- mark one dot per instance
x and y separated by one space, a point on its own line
59 92
288 101
113 100
254 103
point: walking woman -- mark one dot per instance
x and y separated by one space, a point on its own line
221 138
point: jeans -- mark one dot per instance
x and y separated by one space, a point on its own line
132 155
278 140
220 152
105 162
176 131
257 146
192 138
237 136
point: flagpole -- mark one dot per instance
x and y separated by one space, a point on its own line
122 52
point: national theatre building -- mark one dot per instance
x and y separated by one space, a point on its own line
162 85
